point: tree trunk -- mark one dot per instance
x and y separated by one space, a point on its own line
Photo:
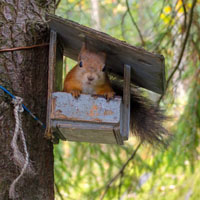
95 15
24 74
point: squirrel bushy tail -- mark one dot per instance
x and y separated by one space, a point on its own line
147 120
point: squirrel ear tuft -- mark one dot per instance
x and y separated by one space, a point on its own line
83 49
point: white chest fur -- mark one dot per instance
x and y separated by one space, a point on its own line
88 89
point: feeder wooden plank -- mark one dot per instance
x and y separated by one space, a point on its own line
147 69
87 132
52 63
85 108
118 135
58 86
126 106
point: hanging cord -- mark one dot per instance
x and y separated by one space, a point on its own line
24 107
20 160
24 48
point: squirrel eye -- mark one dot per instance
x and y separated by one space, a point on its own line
104 68
80 64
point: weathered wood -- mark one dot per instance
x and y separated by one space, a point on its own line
85 108
56 132
148 69
51 77
118 135
86 119
125 126
87 132
58 86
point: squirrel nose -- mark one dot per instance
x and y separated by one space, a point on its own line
90 78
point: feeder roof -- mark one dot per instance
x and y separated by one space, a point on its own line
147 69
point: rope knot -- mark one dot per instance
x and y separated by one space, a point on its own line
17 102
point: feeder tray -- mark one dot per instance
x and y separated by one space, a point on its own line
86 119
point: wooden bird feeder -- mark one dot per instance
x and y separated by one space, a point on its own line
90 119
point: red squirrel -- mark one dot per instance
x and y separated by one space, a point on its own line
89 76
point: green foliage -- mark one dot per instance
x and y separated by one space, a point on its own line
186 141
83 171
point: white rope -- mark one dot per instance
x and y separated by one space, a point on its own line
19 159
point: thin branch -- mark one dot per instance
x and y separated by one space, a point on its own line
155 25
182 49
120 185
71 7
185 13
168 30
57 4
58 192
134 23
24 48
121 171
122 23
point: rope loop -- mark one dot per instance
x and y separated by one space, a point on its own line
20 159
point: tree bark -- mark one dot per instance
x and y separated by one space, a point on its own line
24 74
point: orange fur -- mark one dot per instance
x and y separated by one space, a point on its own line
90 78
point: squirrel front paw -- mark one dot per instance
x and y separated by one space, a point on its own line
75 93
109 95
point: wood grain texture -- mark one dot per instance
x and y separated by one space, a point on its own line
86 119
85 108
126 106
148 69
51 80
58 69
87 132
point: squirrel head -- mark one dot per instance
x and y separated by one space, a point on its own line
91 66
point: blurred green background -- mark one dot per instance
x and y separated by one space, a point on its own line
90 171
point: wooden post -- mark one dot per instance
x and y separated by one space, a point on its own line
52 62
126 103
58 70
